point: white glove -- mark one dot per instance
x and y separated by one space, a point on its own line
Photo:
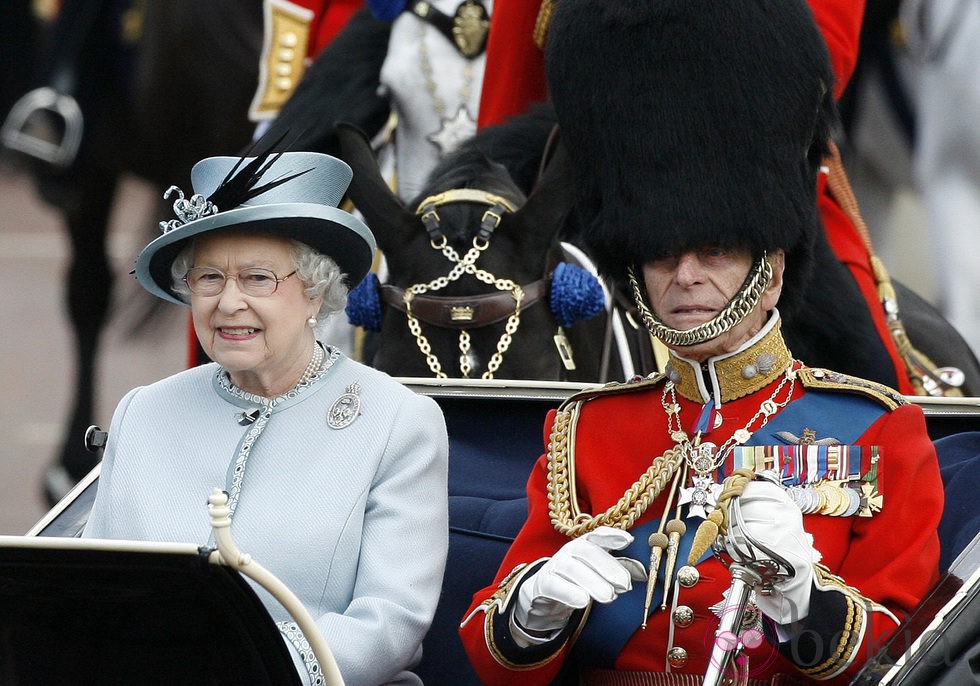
581 571
776 522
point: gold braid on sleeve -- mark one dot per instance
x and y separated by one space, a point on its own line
851 633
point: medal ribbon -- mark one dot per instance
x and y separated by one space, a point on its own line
706 420
803 464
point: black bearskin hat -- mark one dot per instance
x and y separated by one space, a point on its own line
692 123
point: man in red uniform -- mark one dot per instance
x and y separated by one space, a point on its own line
710 221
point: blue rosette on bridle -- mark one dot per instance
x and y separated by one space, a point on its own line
576 294
364 304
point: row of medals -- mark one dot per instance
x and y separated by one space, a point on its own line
824 497
827 498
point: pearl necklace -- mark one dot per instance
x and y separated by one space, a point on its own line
313 367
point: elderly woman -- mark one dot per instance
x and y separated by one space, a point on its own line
336 474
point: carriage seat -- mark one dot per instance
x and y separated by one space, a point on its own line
959 464
493 444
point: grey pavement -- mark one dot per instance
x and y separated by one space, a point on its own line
36 352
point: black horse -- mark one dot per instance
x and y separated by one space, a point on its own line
159 86
478 285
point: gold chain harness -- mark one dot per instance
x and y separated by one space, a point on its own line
465 265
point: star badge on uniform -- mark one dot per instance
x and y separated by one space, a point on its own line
702 497
454 131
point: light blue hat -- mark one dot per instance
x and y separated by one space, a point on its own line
290 194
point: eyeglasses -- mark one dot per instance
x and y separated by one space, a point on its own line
254 281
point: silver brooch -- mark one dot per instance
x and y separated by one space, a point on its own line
187 209
346 408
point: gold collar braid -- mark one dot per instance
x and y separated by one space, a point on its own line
738 374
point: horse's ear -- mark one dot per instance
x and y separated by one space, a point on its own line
550 201
382 209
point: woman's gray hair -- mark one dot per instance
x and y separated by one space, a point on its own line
320 275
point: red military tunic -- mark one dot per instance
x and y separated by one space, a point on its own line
614 434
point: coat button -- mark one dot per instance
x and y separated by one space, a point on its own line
683 616
687 576
677 657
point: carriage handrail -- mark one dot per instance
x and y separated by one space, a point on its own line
932 631
229 555
65 503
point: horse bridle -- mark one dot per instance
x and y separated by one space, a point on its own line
464 312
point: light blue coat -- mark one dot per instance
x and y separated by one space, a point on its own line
354 520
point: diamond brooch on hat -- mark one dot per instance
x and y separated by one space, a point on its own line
187 209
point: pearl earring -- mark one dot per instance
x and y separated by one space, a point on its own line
311 322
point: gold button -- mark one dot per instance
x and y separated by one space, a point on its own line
687 576
677 657
286 54
284 69
683 616
284 84
289 40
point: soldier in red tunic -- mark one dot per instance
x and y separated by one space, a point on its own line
709 221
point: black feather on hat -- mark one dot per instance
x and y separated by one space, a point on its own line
695 123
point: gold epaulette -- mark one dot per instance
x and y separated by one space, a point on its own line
825 379
614 387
